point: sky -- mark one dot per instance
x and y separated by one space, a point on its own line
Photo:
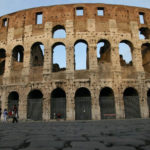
10 6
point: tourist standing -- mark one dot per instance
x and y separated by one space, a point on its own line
5 114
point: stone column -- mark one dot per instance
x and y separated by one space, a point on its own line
117 80
26 62
143 103
95 104
22 110
4 100
46 106
47 68
137 59
92 56
70 57
70 102
7 72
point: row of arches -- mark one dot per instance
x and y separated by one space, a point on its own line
82 103
81 55
59 31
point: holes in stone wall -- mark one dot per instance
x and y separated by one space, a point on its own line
59 32
39 18
59 57
17 53
5 22
79 11
125 51
37 54
141 17
100 11
144 33
103 51
81 60
146 56
2 61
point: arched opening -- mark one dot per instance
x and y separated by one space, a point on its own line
13 100
148 100
34 106
103 51
107 104
131 103
144 33
2 61
59 32
17 54
125 52
59 57
146 56
81 56
82 104
58 104
37 54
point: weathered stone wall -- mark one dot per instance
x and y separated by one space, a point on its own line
118 23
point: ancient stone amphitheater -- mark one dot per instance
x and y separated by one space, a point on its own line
107 88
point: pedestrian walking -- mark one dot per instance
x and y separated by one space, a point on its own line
14 114
5 114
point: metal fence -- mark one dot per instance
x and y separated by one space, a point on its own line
34 109
83 108
132 107
58 108
107 106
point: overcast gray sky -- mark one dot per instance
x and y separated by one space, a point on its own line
9 6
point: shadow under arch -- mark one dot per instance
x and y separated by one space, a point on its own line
2 61
58 104
107 103
13 100
145 51
131 103
37 54
34 105
82 104
18 53
104 50
148 100
58 31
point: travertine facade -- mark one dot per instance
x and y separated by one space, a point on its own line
117 24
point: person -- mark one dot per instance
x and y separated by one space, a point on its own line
14 115
15 110
0 113
5 113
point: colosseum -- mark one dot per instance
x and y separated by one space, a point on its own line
108 87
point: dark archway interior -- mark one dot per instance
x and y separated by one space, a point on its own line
2 61
18 53
13 100
106 92
104 51
130 92
37 54
13 96
82 92
36 94
57 93
148 93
